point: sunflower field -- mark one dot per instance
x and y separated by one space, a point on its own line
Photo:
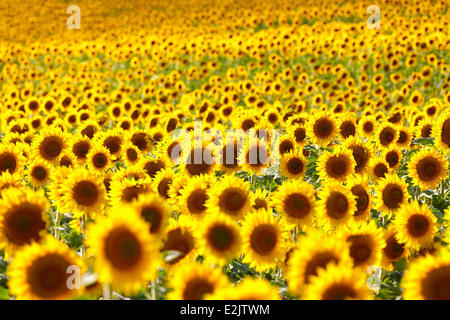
224 150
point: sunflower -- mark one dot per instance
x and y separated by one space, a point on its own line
314 251
141 139
378 168
336 165
386 134
428 168
440 131
153 209
123 250
359 186
179 181
196 282
295 200
193 197
180 235
112 140
362 153
11 158
152 165
162 181
126 190
428 278
130 154
393 156
8 180
321 129
263 239
335 207
393 251
285 144
50 144
23 218
82 193
391 194
40 271
172 149
230 196
298 132
80 147
89 128
98 159
366 243
38 173
261 199
337 282
219 239
228 152
415 226
256 156
347 125
293 165
248 289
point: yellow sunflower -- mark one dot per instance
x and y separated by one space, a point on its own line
415 226
38 174
295 200
366 243
23 218
336 165
194 195
428 168
195 281
336 206
293 165
248 289
322 128
11 159
98 159
393 251
82 193
123 250
337 282
391 194
231 196
50 144
314 251
42 271
263 239
428 278
219 239
359 186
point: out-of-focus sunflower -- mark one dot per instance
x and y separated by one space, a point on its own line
123 249
337 282
124 191
23 218
219 239
11 159
112 140
193 197
130 154
314 251
256 156
230 196
80 147
152 208
359 186
366 243
440 131
295 200
82 193
196 282
361 151
263 239
427 278
40 271
386 134
393 251
428 168
415 226
248 289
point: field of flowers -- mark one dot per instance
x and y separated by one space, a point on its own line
270 149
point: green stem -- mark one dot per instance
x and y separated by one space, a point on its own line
83 228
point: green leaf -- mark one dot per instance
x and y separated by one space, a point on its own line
4 294
424 141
